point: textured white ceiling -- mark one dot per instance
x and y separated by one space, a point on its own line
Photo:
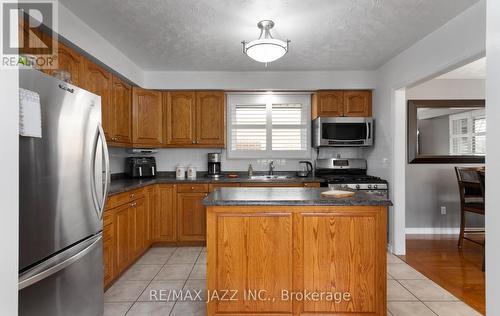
473 70
203 35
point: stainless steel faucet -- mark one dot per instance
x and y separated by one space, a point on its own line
271 168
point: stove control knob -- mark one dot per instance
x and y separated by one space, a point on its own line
357 186
369 186
375 186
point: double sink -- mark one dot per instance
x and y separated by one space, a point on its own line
269 177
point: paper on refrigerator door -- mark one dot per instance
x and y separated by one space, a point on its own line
30 114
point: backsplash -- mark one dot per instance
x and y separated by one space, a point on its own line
168 159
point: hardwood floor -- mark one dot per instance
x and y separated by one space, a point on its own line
457 270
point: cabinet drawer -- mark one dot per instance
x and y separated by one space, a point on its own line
312 184
214 186
270 184
193 187
126 197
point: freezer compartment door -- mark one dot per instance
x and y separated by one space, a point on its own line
62 175
71 283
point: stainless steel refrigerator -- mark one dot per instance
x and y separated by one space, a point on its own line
63 178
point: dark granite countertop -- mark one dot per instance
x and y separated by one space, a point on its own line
288 196
119 184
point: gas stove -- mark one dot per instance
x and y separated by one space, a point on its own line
349 174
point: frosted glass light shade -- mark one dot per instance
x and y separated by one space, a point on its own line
266 50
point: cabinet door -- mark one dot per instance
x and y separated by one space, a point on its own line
99 81
357 103
108 252
151 206
121 224
180 118
137 228
252 252
165 214
147 117
70 61
121 112
31 40
328 103
340 253
192 217
210 118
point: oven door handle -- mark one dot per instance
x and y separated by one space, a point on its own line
347 141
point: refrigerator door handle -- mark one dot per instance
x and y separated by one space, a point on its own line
107 170
57 263
99 206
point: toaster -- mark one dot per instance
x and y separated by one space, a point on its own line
140 167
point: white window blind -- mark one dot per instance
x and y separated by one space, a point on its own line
468 133
269 125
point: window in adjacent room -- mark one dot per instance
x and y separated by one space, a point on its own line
468 133
269 125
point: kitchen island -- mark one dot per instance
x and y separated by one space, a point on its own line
291 251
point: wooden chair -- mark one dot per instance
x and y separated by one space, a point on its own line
482 183
471 199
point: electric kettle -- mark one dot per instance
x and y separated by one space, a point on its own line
304 169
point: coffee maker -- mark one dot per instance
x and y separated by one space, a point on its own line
213 165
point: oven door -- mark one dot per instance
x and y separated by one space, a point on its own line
342 131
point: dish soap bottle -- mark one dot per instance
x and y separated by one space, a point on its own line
250 170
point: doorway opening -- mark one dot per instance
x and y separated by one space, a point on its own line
445 142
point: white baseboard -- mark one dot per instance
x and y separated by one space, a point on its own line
437 230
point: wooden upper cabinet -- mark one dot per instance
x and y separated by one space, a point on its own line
328 103
358 103
147 120
121 112
31 40
99 81
70 61
210 118
342 103
180 116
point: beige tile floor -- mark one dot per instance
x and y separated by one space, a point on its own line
409 293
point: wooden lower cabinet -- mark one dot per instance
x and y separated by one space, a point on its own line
108 248
126 230
165 219
191 216
137 228
161 213
309 249
122 233
254 252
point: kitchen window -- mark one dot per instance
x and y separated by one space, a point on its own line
269 125
468 133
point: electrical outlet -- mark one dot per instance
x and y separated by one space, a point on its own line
443 210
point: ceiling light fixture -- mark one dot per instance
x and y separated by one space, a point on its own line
265 49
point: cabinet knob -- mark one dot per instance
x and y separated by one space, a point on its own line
133 204
132 195
194 142
192 188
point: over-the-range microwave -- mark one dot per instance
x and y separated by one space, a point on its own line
342 131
